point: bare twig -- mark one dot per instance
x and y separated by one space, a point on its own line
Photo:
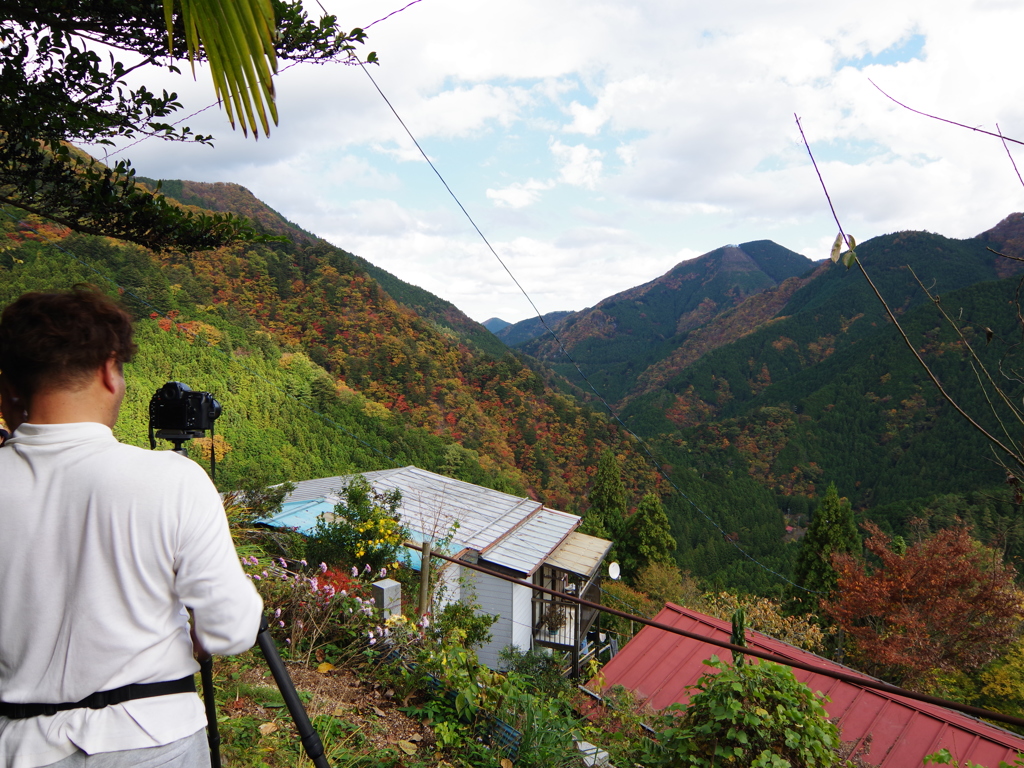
1014 455
1009 154
944 120
976 360
1005 255
823 187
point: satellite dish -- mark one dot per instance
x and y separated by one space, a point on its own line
614 572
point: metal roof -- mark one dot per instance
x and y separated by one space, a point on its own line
580 553
888 730
512 531
525 547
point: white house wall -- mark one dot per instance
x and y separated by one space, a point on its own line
449 586
493 596
522 616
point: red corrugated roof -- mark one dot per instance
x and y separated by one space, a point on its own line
889 730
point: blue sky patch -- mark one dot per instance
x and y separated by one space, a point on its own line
908 49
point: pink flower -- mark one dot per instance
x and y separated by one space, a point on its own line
280 623
367 568
277 614
355 572
383 572
323 567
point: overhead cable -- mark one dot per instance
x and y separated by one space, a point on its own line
846 677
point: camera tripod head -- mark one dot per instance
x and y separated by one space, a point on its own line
178 414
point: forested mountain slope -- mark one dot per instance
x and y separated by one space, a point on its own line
823 389
529 329
234 198
617 340
334 339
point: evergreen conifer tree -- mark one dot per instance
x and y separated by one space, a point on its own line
647 537
606 513
832 530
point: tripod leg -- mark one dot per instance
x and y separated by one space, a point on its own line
307 734
212 732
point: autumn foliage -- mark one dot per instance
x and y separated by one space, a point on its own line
947 603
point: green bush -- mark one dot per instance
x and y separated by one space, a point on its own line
365 530
539 667
756 715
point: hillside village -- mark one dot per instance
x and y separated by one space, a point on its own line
776 400
764 509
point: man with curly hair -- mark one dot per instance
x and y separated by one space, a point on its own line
108 547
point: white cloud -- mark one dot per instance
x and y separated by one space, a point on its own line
580 165
651 130
520 194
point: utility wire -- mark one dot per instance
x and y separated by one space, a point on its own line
846 677
568 356
283 69
565 352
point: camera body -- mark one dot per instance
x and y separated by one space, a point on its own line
176 408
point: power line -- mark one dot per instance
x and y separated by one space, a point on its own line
646 449
385 18
283 69
565 352
865 682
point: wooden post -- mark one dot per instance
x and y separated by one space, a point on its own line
425 577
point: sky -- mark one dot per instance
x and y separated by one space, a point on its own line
598 144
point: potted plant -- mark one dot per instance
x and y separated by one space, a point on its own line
554 618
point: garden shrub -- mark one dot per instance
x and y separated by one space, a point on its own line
756 715
366 529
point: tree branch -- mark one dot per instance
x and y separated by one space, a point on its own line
943 119
892 316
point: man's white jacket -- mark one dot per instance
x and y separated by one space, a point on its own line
103 547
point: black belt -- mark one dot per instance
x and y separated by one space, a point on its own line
101 699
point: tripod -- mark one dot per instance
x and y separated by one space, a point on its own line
307 733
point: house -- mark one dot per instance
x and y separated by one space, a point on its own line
507 534
884 729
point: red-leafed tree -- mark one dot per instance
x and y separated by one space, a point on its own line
946 603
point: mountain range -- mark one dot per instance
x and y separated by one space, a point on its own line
754 376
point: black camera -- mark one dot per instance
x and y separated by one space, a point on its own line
175 407
178 414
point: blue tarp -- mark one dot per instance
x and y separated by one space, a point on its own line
302 516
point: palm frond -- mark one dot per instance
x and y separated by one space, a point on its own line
237 39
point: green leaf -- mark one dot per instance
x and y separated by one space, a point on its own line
849 258
837 248
237 37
